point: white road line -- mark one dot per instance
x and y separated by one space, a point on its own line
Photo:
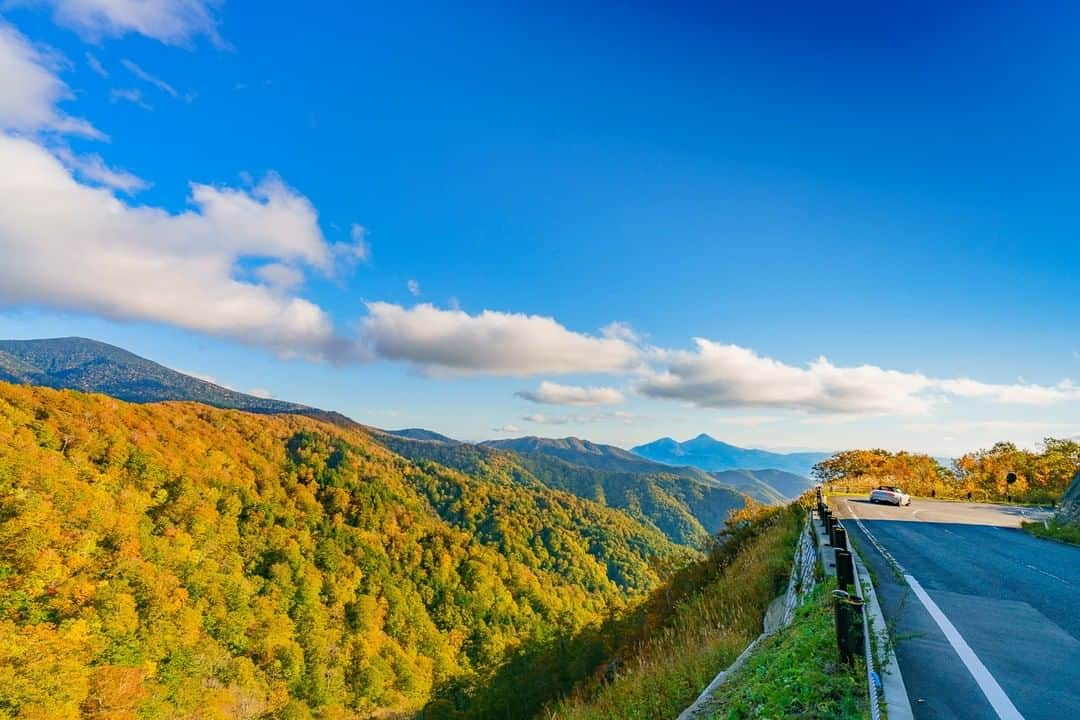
998 699
1049 574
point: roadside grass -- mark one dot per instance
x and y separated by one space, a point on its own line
795 673
665 672
1053 530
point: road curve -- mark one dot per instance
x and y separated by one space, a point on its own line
985 618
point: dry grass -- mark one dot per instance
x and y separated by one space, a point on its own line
706 632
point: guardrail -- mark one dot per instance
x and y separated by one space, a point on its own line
853 611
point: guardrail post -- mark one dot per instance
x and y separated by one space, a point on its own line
845 569
848 613
840 536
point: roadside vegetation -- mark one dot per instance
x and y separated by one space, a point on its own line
1054 530
1041 477
795 673
687 639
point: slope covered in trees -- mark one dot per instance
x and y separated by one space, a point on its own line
685 510
768 486
596 455
178 561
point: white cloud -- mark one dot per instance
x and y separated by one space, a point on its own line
95 65
131 95
507 429
30 89
81 249
620 331
981 425
154 80
541 419
281 277
261 393
724 376
94 169
555 394
414 288
747 419
731 376
355 251
173 22
1017 394
495 343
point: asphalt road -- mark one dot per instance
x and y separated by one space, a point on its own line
985 618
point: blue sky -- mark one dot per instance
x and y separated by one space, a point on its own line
890 188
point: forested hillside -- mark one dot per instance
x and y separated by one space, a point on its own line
595 455
686 510
179 561
768 486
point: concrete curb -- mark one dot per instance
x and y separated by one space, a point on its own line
890 680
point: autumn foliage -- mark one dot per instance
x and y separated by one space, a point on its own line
1040 476
177 561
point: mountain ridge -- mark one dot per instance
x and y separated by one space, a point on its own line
581 451
712 455
79 363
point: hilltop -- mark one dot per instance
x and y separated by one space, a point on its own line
92 366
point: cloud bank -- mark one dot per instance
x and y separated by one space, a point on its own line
729 376
79 248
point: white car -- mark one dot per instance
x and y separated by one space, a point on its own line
890 495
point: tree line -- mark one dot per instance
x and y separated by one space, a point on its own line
1040 476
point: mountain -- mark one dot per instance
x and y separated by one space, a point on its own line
767 486
710 454
687 510
177 560
656 495
92 366
422 434
594 455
